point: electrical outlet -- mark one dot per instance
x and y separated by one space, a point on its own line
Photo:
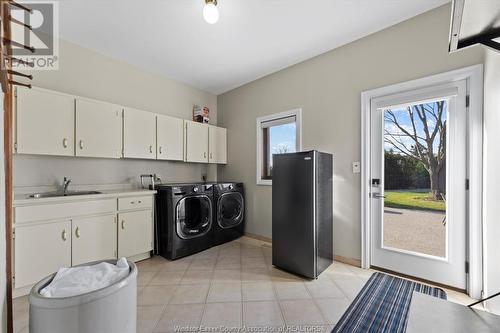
356 167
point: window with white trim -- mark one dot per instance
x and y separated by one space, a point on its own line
276 134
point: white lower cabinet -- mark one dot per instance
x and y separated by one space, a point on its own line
40 250
48 236
93 238
135 233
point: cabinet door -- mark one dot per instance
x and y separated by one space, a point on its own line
45 122
93 238
139 134
217 145
98 129
170 138
196 142
135 233
40 250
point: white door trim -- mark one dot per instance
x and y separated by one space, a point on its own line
474 77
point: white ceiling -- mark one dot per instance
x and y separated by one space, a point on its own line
253 38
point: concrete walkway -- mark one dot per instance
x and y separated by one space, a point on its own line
415 230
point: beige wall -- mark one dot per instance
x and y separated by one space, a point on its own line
87 73
328 90
491 198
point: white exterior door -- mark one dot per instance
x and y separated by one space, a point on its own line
98 129
196 142
139 134
45 122
170 138
217 145
40 250
94 238
418 184
135 233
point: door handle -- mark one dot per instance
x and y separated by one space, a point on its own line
81 144
77 232
378 196
159 149
123 224
151 149
65 143
63 235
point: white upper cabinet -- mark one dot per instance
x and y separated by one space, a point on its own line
196 143
169 138
52 123
98 129
217 144
139 134
44 122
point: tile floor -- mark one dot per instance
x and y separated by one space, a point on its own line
235 285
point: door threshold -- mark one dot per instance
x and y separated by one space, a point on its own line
417 279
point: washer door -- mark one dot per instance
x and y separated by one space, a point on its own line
193 216
230 210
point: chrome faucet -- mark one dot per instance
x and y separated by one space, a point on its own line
65 185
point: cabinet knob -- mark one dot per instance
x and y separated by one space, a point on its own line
151 149
77 232
159 149
205 155
123 224
65 143
63 235
81 144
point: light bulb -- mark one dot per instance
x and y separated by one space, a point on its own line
211 13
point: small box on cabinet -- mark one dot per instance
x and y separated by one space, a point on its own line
201 114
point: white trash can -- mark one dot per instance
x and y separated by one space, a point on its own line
112 309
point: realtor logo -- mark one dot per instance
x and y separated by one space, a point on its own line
43 36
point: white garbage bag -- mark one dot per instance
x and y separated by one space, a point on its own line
79 280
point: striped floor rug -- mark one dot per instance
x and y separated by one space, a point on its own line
382 305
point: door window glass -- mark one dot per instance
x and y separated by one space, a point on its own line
415 140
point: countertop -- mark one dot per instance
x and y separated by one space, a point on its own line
22 199
432 314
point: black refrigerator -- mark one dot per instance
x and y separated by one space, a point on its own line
302 231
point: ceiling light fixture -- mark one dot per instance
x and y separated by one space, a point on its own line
210 12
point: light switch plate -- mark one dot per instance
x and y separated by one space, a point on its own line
356 167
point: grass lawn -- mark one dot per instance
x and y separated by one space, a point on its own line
412 200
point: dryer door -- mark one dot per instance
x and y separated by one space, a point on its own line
230 210
193 215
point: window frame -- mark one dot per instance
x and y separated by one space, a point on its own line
297 113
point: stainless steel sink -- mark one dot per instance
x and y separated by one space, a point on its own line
61 194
